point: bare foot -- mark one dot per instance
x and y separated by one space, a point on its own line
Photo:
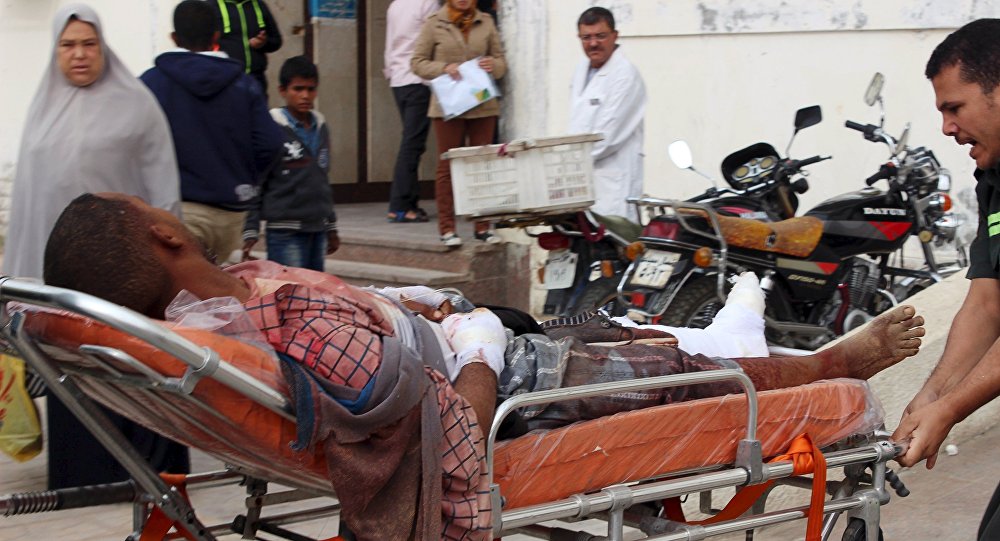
886 340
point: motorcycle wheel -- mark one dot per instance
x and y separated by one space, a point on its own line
695 305
601 293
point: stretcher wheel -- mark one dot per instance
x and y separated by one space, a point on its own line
856 531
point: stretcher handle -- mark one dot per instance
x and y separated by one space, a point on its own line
601 389
135 324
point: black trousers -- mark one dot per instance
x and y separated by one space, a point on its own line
989 528
76 458
412 102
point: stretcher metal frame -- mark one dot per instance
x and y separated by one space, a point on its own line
860 495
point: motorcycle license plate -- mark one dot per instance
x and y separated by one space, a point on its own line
560 269
654 269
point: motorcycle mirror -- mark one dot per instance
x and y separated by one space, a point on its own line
874 92
901 142
680 154
808 116
805 117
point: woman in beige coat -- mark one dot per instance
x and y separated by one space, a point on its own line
457 33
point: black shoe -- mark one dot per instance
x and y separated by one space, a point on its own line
489 237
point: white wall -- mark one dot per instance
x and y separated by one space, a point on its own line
724 74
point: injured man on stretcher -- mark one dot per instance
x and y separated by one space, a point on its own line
399 402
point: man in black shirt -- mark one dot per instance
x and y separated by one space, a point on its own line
248 34
965 72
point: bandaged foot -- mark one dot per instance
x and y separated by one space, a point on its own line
477 336
736 331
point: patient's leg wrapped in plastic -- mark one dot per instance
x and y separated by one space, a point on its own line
537 363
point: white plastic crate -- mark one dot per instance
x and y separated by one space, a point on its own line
540 174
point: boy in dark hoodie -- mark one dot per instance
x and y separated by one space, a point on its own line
222 133
295 198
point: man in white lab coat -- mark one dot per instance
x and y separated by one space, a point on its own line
608 97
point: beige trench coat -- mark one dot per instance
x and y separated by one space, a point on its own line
441 43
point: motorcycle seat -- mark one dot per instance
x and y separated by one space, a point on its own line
796 237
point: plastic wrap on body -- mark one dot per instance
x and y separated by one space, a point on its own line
652 442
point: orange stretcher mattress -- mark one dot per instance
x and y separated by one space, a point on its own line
653 442
538 467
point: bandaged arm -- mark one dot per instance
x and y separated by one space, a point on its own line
479 342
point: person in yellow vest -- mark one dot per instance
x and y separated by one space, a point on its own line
249 33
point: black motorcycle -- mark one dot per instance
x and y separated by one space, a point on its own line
824 273
588 253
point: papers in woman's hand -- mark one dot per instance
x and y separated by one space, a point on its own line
474 88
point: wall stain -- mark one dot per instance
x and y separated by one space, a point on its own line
708 18
740 16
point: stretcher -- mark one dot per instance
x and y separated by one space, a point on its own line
228 399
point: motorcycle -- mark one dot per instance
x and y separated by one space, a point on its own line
588 254
824 273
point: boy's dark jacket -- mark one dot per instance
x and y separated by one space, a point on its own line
222 132
295 194
235 43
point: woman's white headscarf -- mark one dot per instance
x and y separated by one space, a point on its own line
109 136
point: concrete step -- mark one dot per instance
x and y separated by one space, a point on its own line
363 274
407 248
375 252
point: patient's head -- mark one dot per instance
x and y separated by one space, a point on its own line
97 246
123 250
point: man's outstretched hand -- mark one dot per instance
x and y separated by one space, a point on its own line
924 428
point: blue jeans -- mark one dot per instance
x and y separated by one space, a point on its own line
297 249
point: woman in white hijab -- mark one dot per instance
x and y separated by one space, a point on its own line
92 127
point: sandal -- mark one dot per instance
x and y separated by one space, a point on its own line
400 217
